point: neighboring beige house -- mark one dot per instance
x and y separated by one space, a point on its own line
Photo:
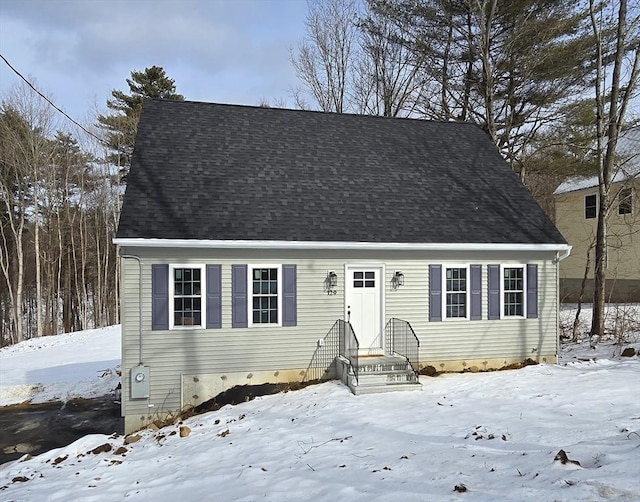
265 245
576 207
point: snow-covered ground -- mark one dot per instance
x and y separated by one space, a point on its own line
484 436
57 368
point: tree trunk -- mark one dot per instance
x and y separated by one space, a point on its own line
585 277
487 11
609 123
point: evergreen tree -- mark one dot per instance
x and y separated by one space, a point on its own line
121 126
507 66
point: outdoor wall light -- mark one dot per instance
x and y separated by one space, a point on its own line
331 283
397 280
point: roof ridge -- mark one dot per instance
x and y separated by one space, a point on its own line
300 110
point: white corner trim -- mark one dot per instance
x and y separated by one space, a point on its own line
384 246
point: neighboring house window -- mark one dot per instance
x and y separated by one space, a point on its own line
590 206
513 291
625 201
187 295
265 294
456 292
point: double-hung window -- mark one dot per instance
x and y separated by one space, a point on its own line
187 295
625 201
265 303
513 291
590 206
456 290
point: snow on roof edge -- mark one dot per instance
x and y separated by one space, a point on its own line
628 146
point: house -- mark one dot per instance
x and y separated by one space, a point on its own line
268 245
576 208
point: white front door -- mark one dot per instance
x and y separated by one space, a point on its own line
364 306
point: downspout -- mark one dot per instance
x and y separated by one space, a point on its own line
567 252
139 260
558 259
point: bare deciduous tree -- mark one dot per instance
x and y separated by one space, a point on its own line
58 214
26 154
389 76
324 59
617 72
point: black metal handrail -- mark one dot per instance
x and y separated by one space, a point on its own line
349 345
402 340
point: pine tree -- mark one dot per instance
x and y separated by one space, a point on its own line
121 126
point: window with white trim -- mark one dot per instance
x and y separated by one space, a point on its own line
590 206
187 302
456 291
513 291
265 303
625 201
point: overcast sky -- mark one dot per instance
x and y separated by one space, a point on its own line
225 51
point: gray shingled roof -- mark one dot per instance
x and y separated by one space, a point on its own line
226 172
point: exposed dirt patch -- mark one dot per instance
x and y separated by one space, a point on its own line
429 371
432 372
234 395
243 393
517 366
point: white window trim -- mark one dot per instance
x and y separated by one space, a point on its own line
250 268
584 206
631 197
523 266
444 292
203 295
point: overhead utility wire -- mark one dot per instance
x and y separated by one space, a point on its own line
50 102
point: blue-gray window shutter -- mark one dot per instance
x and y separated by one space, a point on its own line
532 291
239 296
159 296
476 292
214 296
435 292
494 291
289 309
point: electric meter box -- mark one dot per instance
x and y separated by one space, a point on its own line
139 382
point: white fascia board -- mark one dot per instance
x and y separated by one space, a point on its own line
383 246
